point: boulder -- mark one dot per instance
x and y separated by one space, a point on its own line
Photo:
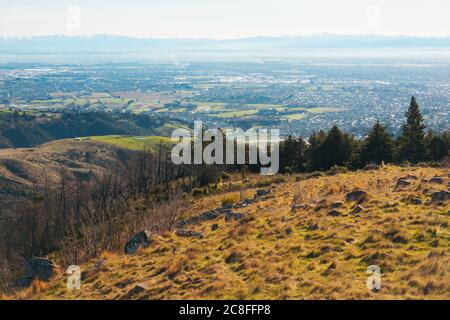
40 268
402 183
188 234
415 200
333 213
438 180
356 196
233 215
37 268
262 192
206 216
440 196
232 258
337 204
140 239
214 227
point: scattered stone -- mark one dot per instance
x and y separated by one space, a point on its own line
37 268
357 209
334 213
411 177
188 234
436 179
356 196
141 239
206 216
440 196
337 204
233 215
232 258
214 227
416 200
227 206
262 192
136 290
402 183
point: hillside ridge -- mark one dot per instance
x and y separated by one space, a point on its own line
297 237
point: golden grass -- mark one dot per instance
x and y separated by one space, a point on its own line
286 253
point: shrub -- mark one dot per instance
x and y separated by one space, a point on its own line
279 179
197 192
315 174
230 199
226 176
337 170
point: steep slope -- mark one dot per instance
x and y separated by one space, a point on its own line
21 170
290 244
25 131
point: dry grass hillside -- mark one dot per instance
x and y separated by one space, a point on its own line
289 244
23 169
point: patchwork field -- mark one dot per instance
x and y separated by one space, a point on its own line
150 143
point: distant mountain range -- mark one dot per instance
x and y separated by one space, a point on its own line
121 44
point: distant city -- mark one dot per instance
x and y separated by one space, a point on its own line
299 97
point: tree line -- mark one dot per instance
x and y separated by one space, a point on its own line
324 150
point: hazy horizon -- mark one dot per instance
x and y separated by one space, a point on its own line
202 19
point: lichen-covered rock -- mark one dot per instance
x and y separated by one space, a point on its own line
356 196
37 268
402 183
415 200
440 196
141 239
438 180
188 234
262 192
337 204
334 213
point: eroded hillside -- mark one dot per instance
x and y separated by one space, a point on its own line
297 239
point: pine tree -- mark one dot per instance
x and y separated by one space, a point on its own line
378 146
335 150
313 152
292 154
437 146
411 141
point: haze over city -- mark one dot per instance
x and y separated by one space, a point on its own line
223 19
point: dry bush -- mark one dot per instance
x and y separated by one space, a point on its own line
229 199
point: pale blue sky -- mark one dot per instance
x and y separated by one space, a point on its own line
224 18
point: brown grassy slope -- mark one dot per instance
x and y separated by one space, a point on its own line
285 254
21 169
